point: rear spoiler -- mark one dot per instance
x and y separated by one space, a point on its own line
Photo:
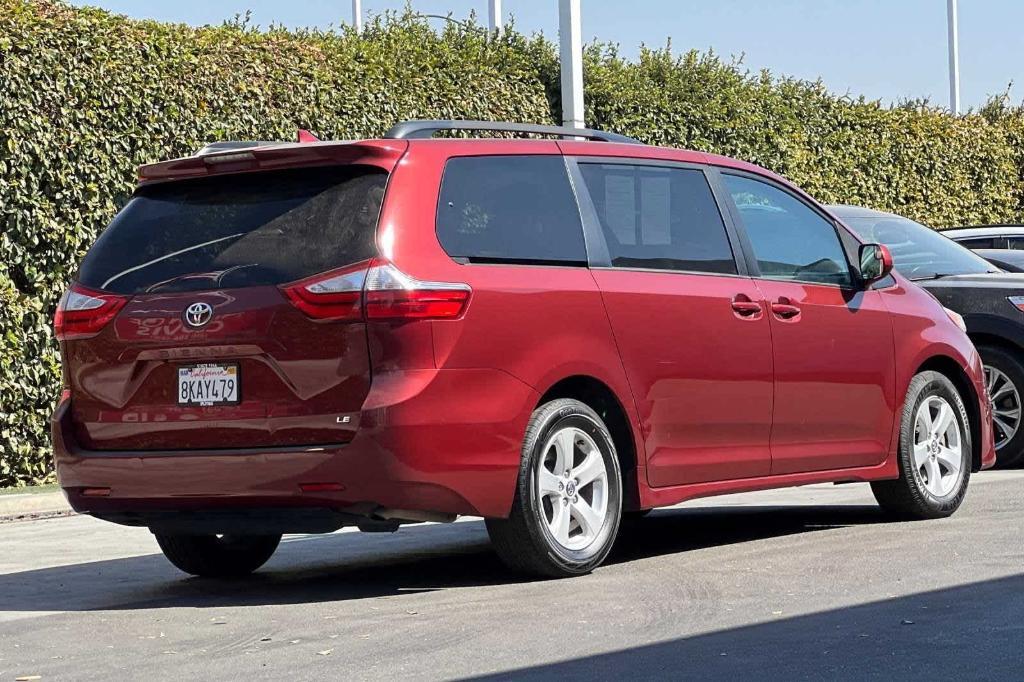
229 157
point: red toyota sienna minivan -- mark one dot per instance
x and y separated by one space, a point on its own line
548 333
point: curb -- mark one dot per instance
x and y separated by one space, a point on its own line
29 506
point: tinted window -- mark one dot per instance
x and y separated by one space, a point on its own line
238 230
1013 243
662 218
509 208
918 252
790 241
984 243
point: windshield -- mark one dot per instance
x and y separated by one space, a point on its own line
918 252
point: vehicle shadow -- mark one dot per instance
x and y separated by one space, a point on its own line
668 531
967 632
347 566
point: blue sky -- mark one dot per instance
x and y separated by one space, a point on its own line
887 49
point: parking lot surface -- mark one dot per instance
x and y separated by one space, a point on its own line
806 583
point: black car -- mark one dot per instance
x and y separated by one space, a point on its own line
990 300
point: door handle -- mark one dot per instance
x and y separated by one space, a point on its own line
745 308
785 310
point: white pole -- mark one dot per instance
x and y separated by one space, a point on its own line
571 54
954 58
494 15
357 15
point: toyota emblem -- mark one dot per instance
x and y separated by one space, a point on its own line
198 314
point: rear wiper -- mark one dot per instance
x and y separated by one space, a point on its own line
214 276
211 276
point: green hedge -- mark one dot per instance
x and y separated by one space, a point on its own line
86 96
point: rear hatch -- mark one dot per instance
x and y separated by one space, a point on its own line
207 345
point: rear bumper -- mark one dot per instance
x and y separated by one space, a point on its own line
430 442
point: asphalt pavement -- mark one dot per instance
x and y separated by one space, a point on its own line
807 583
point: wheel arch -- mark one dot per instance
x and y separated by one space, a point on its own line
994 330
998 340
603 400
951 369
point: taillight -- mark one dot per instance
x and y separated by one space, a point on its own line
376 290
83 312
392 294
334 295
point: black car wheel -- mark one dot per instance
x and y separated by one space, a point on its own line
218 556
1004 380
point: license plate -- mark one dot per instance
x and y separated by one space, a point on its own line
208 384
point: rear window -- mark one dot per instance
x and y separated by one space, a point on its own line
238 230
509 209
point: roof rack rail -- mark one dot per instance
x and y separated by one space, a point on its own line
420 130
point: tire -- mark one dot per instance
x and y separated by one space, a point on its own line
636 515
1004 374
547 533
212 556
928 486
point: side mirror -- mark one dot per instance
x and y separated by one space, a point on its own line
875 262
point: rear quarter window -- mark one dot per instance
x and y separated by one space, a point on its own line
238 230
518 209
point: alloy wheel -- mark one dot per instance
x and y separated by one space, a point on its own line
1005 405
572 488
938 446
